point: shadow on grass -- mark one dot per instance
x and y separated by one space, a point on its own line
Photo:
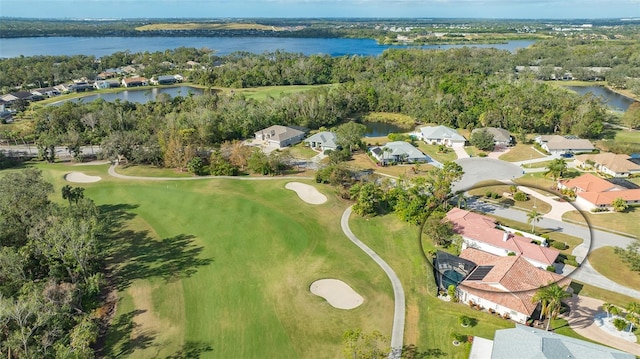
191 350
120 343
412 352
136 255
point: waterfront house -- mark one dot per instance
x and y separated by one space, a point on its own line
135 81
441 135
105 84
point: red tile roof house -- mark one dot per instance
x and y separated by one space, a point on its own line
595 192
505 285
483 233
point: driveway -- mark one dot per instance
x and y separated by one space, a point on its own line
581 320
460 152
478 169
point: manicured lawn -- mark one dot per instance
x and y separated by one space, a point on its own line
362 161
599 293
301 151
626 222
222 269
521 152
607 263
429 321
541 206
473 151
151 171
623 140
432 151
376 141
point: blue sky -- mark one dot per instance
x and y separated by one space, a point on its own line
530 9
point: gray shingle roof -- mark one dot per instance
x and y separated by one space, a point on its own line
326 138
535 343
441 132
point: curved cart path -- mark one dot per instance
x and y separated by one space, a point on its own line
397 332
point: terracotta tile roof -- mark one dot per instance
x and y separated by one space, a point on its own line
614 162
511 282
606 198
483 229
588 183
135 80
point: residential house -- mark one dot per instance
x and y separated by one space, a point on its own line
483 233
501 137
80 86
46 92
135 81
165 80
595 192
557 145
505 285
322 141
441 135
280 136
397 152
612 164
537 343
15 96
105 84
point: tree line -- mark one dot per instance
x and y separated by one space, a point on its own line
50 260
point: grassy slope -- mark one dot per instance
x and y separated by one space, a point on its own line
429 321
521 152
236 259
602 259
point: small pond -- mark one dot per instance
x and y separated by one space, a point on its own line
614 100
142 95
381 129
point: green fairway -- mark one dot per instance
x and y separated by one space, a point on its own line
222 268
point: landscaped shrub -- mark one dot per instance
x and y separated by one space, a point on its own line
464 321
536 242
482 154
520 196
551 269
559 245
451 291
599 209
619 323
460 338
495 195
488 194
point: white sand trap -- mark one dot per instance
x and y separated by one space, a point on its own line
79 177
337 293
307 193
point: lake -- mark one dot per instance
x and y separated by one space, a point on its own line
614 100
100 46
380 129
142 95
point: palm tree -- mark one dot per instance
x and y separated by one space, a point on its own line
556 169
634 310
534 216
550 298
607 308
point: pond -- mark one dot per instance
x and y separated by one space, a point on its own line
381 129
613 100
141 95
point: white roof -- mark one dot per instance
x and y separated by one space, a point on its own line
326 138
399 148
441 132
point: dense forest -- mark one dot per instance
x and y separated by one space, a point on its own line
50 269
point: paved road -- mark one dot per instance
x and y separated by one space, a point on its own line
478 169
397 332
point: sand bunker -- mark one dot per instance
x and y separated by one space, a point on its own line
306 192
79 177
337 293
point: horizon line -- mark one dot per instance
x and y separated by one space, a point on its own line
322 18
